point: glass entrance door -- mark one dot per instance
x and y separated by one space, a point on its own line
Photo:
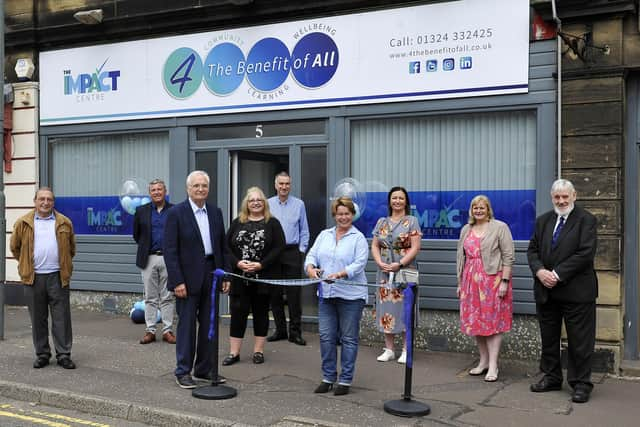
259 166
241 155
255 167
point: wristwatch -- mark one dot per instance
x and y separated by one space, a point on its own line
505 280
401 264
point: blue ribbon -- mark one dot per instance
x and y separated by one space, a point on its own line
409 295
217 274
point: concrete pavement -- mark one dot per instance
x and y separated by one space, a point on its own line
120 378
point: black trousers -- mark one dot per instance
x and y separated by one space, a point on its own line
250 300
47 294
580 322
291 269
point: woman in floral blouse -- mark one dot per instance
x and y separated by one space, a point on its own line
396 242
256 241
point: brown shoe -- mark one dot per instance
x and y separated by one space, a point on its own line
169 337
148 338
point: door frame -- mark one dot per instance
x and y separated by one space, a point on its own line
225 147
631 235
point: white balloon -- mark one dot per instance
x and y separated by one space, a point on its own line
351 188
131 195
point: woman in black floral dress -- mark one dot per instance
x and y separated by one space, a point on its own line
256 241
395 245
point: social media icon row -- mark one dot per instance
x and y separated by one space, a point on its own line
448 64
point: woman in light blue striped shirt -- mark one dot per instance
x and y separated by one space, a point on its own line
339 252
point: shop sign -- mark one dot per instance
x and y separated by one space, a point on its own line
100 215
442 214
444 50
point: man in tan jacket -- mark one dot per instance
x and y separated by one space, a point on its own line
44 244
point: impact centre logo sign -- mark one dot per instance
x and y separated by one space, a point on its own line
312 63
91 86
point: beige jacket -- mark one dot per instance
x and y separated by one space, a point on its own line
22 246
496 249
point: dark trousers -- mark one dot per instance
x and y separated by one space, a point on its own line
291 269
250 300
192 333
47 294
580 322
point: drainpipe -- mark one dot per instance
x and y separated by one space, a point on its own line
3 258
559 101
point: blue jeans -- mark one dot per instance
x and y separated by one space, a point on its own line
339 319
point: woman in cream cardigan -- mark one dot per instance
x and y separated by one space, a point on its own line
484 260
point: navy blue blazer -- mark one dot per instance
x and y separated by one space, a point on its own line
572 258
184 250
142 232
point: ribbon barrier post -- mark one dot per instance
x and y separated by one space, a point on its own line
407 407
215 391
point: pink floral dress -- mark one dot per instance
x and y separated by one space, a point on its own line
482 311
394 239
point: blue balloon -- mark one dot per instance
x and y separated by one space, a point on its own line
139 306
137 316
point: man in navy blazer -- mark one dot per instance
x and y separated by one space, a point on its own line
148 232
561 256
194 246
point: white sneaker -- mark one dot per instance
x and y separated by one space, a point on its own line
386 355
403 357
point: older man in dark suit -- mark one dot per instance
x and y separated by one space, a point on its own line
194 246
561 256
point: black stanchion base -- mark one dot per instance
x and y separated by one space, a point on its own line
406 408
214 392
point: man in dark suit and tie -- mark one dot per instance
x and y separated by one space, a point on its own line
194 246
561 256
148 231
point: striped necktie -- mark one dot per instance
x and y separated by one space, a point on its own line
556 233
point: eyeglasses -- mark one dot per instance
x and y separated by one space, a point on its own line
255 201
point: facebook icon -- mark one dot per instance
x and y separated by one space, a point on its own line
432 65
414 67
465 63
448 64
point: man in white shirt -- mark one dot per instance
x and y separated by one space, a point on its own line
44 244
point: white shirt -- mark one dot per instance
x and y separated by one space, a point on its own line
45 245
203 224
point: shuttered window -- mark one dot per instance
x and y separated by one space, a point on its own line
99 165
99 181
445 160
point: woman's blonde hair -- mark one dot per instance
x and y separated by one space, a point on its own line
474 201
244 207
342 201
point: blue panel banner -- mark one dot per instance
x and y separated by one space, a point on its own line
442 214
101 215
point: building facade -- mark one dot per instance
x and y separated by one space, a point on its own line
407 114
